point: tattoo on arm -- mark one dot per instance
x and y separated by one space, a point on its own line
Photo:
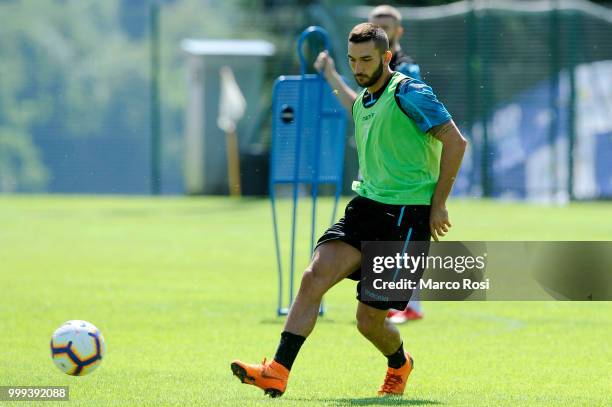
441 130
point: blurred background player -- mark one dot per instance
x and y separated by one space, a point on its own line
389 19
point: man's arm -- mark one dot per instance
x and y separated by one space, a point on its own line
453 148
343 92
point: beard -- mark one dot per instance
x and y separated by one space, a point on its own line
364 81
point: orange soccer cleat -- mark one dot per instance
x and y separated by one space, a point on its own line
396 379
271 377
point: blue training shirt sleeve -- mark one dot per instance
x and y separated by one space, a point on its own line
419 103
410 70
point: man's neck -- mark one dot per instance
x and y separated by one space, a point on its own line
381 81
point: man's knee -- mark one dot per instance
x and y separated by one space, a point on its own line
315 280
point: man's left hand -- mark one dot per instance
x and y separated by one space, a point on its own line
438 221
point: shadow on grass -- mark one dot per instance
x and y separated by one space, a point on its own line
378 401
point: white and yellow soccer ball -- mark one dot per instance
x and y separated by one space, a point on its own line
77 347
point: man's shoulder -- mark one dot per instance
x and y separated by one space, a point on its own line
417 100
409 85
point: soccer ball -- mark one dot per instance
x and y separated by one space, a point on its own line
77 348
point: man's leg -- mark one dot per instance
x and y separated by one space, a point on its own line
331 262
373 324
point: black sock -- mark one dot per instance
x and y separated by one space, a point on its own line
288 348
397 359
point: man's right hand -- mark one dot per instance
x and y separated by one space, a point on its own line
325 64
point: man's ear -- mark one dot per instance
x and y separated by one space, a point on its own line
400 32
387 57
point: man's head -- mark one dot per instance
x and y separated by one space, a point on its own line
390 20
368 53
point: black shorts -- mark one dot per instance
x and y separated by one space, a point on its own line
368 220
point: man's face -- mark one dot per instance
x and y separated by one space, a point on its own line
366 62
392 28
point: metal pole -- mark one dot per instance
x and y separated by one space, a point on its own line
554 70
487 97
155 158
572 48
471 64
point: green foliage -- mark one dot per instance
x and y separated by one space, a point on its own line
20 163
66 69
81 69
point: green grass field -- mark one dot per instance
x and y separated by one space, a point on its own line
179 287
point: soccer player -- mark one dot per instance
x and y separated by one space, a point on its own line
409 154
389 19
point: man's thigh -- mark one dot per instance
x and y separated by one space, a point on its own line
335 260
